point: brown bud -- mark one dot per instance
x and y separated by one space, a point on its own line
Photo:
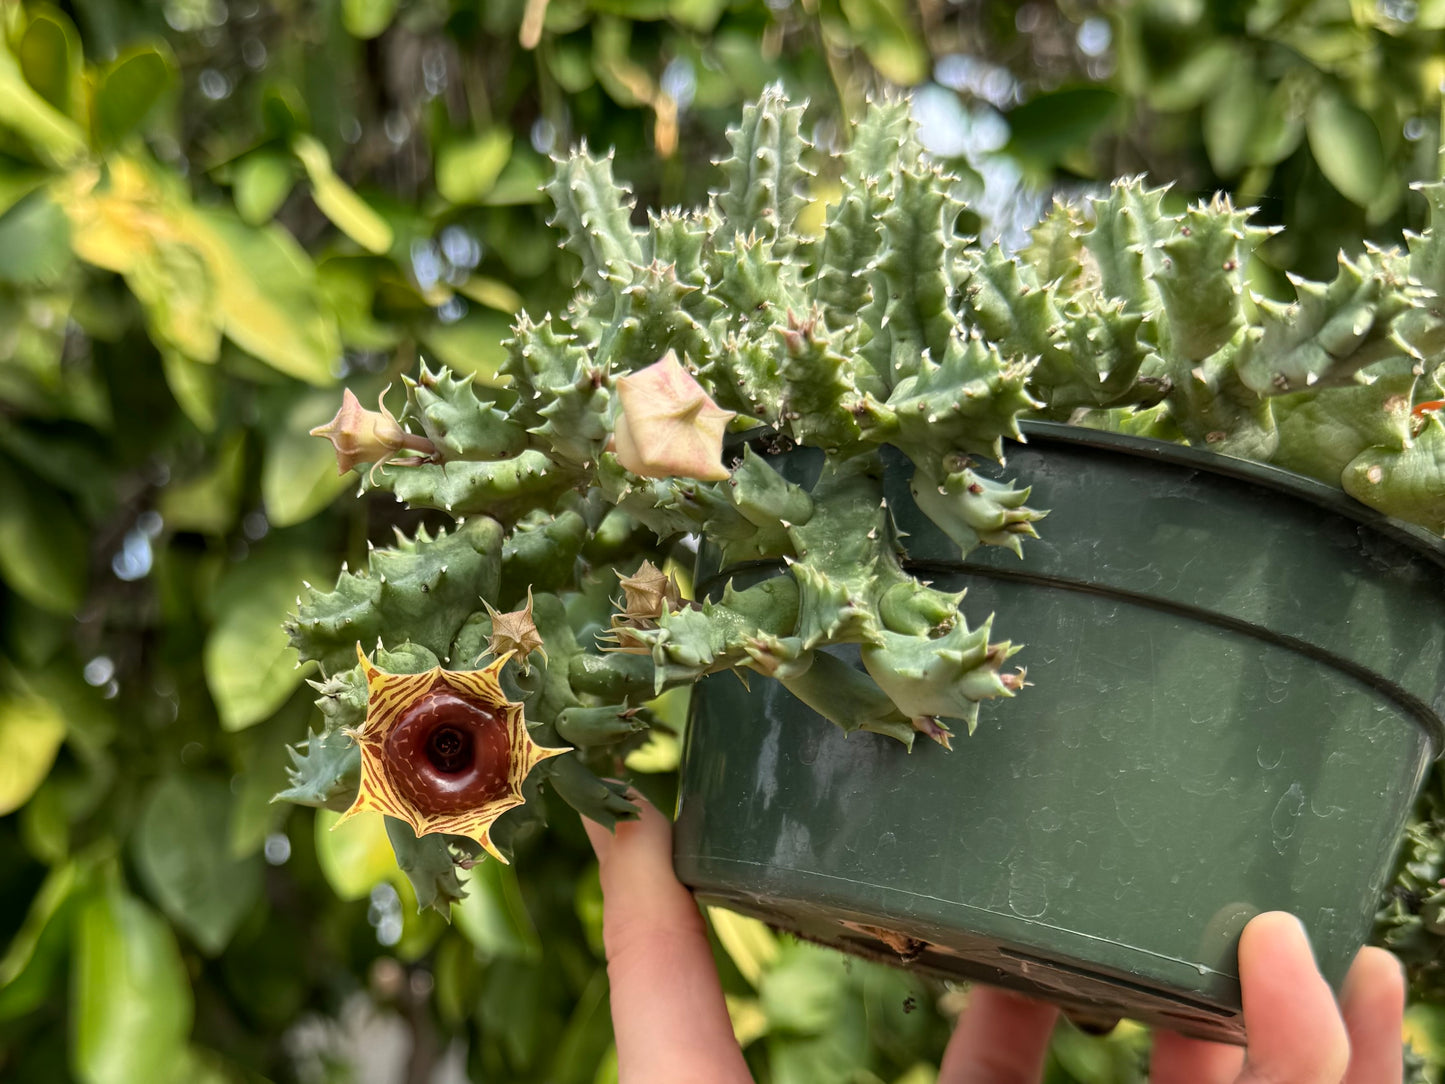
648 592
515 633
370 436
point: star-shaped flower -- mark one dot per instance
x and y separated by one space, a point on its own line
444 751
668 426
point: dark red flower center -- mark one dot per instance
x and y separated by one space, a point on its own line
448 753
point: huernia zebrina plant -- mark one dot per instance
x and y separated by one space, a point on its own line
518 648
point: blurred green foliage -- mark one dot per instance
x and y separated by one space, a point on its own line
212 212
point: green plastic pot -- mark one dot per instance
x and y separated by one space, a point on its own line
1237 682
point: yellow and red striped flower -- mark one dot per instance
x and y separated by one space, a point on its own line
444 751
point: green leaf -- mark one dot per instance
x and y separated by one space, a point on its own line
354 857
493 915
16 184
268 297
52 60
193 386
467 170
131 999
31 730
260 183
1048 126
299 477
42 544
472 345
183 853
35 243
130 89
29 115
522 181
38 948
249 664
207 502
1232 116
884 28
348 211
1346 144
367 18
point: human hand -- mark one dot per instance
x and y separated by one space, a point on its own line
672 1026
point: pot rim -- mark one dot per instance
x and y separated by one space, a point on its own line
1322 494
1329 497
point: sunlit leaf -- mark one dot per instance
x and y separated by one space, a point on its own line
131 998
885 30
468 169
367 18
356 857
268 297
492 293
350 213
182 850
31 730
260 183
28 114
194 385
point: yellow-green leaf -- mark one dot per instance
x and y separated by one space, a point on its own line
31 730
493 293
131 999
493 915
34 119
193 385
750 945
356 856
260 184
268 296
367 18
466 170
349 212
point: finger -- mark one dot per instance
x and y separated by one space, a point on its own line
1178 1060
1001 1038
1295 1032
668 1013
1373 1005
